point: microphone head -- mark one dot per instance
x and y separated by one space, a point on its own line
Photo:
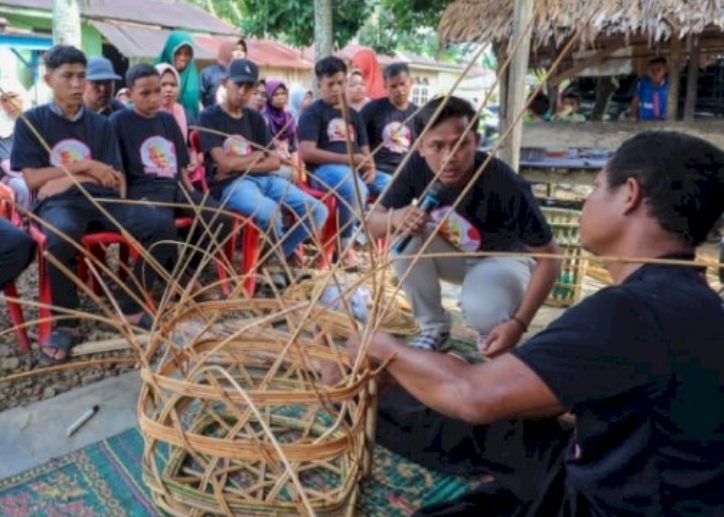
436 189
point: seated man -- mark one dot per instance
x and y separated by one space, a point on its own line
388 121
99 87
243 160
84 149
639 364
155 159
17 251
323 140
499 295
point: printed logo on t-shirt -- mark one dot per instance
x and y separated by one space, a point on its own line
158 156
69 151
397 137
237 145
337 131
457 230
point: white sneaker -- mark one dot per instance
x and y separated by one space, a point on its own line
430 339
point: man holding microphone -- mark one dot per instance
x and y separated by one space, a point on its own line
500 295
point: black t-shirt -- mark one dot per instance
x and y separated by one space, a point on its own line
152 149
113 106
251 127
389 129
642 367
498 214
323 124
90 136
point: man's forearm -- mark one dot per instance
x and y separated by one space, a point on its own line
322 157
36 178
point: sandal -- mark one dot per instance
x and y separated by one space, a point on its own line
59 339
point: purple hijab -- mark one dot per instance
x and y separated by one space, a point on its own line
281 122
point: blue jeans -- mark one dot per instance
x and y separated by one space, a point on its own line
382 179
262 197
341 179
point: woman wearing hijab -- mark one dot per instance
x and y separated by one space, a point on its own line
281 122
299 98
179 52
356 91
211 76
366 62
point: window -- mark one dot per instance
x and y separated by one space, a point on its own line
420 91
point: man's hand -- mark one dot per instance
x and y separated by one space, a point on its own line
410 220
104 174
502 338
381 346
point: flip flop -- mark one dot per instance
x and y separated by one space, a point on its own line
59 339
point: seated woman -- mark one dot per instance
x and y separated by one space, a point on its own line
283 128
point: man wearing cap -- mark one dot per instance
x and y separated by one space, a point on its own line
239 150
98 95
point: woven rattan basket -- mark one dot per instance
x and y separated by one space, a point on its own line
569 284
236 421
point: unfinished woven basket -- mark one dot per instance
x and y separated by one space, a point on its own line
236 420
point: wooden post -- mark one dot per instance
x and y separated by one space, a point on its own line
672 104
522 29
692 78
501 56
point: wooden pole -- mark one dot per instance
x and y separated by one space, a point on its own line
502 91
522 16
692 78
672 104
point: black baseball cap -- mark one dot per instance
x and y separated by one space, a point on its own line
243 71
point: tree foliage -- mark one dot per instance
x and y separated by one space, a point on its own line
290 21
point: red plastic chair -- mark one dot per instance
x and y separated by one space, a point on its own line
15 311
95 244
250 233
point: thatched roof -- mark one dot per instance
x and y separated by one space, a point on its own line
490 21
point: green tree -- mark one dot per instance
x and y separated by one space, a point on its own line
290 21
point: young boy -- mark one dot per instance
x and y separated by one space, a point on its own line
652 92
323 139
243 164
155 158
388 121
83 144
570 104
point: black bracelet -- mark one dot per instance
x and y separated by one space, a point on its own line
520 322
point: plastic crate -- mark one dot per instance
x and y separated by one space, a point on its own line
565 225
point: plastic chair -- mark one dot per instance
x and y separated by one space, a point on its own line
15 311
95 244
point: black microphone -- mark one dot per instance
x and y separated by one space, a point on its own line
430 201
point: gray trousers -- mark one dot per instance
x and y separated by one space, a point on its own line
492 287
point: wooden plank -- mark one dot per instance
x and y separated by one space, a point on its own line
555 175
522 29
106 345
595 59
692 78
611 134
